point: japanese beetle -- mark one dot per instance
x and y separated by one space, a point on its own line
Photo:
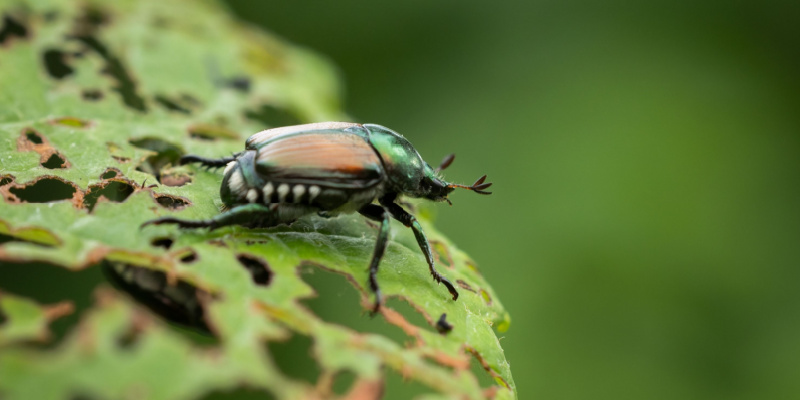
328 168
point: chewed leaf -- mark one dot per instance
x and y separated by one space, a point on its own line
99 103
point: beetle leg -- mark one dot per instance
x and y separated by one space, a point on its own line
247 215
408 220
208 162
377 213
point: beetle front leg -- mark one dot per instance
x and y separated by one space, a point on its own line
377 213
247 215
208 162
408 220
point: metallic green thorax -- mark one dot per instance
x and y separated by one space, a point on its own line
404 166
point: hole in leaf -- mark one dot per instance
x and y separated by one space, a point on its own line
405 388
294 358
166 153
48 284
239 393
179 303
114 67
211 132
33 136
164 242
270 115
56 161
56 65
189 257
44 190
114 191
337 302
258 268
171 105
71 121
343 381
110 173
129 338
12 28
485 379
172 202
92 94
6 179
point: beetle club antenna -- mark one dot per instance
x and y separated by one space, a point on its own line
476 187
445 163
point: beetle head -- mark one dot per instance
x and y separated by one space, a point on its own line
437 189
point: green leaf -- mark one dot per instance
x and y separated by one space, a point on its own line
98 101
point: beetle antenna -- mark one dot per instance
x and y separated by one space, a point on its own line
445 163
477 187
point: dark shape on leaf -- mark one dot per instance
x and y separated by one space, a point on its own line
257 267
92 94
56 161
172 202
443 326
164 242
240 83
126 86
11 28
45 190
272 116
55 64
115 191
6 179
178 303
172 105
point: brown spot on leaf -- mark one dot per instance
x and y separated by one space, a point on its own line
465 286
71 121
175 179
211 132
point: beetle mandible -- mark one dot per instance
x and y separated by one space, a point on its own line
328 168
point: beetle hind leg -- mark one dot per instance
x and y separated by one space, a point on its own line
246 215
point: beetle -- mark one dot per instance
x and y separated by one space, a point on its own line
328 168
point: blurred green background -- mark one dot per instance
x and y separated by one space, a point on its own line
644 228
